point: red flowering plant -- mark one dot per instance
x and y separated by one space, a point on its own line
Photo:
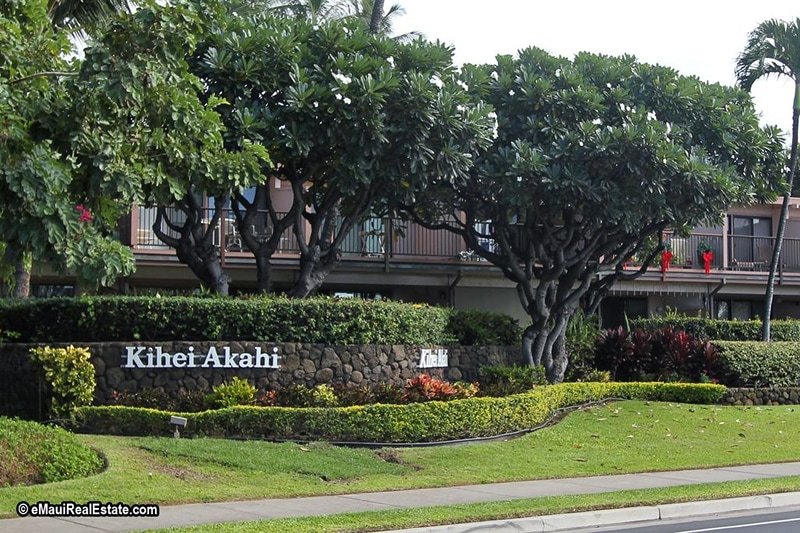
84 214
424 388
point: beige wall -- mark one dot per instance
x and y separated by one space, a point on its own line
501 300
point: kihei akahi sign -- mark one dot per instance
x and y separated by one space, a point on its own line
149 357
433 358
141 357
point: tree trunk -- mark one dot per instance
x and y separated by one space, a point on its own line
22 277
377 16
263 272
205 264
312 274
195 247
776 252
545 344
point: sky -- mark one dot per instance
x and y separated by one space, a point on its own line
699 37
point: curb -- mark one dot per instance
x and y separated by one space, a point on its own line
611 517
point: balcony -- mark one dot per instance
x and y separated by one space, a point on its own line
368 241
410 242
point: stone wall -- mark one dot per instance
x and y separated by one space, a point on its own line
310 364
766 396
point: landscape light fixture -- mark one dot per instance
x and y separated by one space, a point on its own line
178 422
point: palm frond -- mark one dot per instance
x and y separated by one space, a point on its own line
773 48
81 15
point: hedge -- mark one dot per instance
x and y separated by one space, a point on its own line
34 453
314 320
418 422
759 364
726 330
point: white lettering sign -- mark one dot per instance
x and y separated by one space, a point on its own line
430 358
141 357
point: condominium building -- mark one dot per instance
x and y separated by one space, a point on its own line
390 258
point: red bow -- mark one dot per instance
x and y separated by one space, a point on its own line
666 257
708 256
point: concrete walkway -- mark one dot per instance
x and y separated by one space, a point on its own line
205 513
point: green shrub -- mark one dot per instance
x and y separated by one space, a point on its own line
759 364
415 422
727 330
190 401
69 376
472 327
237 392
504 380
597 376
323 395
33 453
314 320
582 332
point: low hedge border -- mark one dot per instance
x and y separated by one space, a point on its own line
418 422
759 364
726 330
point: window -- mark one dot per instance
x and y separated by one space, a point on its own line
751 241
615 311
730 309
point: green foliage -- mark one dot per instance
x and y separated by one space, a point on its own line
69 376
33 453
237 392
591 157
582 332
319 320
352 117
504 380
323 395
598 376
472 327
759 364
415 422
157 398
40 182
726 330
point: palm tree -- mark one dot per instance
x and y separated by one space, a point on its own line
378 21
84 16
773 48
314 10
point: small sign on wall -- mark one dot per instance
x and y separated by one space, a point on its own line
430 358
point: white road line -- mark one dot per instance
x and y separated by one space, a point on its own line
739 526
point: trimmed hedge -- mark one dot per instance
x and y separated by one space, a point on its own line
313 320
726 330
418 422
759 364
33 453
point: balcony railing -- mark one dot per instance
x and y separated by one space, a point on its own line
367 239
686 251
370 239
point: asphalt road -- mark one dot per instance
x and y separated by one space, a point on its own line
785 521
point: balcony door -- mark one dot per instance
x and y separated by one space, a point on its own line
751 241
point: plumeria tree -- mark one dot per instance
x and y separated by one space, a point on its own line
594 157
773 49
46 214
346 115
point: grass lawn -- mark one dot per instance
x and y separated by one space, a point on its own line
619 438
